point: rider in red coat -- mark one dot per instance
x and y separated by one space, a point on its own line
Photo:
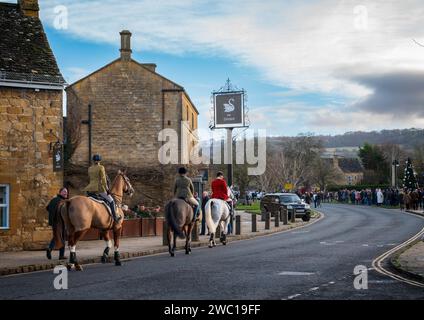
220 188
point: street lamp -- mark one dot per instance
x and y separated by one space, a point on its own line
395 165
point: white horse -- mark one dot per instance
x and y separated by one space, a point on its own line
217 214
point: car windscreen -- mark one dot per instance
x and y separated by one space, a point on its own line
290 198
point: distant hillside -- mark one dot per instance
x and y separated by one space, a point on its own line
408 138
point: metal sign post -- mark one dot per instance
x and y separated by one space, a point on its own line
229 113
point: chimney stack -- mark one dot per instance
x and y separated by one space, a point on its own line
29 8
125 45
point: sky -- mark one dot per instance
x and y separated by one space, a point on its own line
322 66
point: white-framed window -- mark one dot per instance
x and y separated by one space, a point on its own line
4 206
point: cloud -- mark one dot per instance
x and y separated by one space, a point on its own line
305 46
400 94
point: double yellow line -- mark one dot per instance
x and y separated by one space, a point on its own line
379 260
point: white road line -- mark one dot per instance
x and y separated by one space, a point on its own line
295 273
331 282
293 296
314 289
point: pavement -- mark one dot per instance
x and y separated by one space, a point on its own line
317 261
411 260
89 252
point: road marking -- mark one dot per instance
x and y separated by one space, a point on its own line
365 245
295 273
293 296
331 282
314 289
382 281
379 260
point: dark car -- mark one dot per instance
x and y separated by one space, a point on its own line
274 202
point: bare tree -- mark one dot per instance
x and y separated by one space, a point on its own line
324 173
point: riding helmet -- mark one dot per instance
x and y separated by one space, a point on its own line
97 157
182 170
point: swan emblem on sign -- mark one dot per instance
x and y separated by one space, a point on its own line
229 107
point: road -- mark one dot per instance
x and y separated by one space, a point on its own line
315 262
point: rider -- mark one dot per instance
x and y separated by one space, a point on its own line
220 189
98 184
184 189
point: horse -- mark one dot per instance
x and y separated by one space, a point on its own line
217 214
81 213
179 216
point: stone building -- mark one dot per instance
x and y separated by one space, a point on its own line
31 89
130 103
351 170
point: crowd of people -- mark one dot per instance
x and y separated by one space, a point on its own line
405 199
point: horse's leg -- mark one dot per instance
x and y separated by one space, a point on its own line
72 255
188 238
223 238
211 240
77 236
106 237
169 235
174 245
116 238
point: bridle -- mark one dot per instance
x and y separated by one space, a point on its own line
128 189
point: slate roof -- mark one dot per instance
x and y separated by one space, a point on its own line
25 54
348 165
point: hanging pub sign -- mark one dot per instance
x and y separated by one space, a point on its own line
229 109
57 157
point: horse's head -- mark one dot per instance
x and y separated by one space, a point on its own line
128 189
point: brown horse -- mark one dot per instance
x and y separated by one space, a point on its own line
81 213
179 216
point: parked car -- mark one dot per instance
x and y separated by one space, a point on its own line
274 202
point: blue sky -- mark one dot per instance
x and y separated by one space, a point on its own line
323 66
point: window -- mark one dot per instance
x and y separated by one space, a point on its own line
4 206
192 120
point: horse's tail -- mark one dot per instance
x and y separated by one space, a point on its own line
170 218
208 216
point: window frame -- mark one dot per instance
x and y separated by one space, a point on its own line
7 206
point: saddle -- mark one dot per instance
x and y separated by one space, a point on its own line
99 199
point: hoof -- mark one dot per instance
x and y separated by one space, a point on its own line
224 243
104 259
69 267
78 267
118 263
172 254
187 252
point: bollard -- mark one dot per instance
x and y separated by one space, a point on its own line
267 221
293 216
195 232
238 225
254 223
277 219
285 216
165 233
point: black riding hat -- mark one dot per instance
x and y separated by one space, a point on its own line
97 157
182 170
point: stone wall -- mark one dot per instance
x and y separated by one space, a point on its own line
130 106
29 122
127 103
